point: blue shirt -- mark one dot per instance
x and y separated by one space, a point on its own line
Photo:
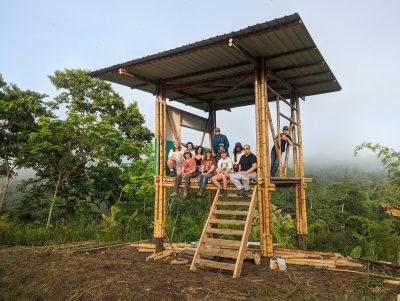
216 140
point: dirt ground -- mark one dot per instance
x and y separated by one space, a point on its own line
122 273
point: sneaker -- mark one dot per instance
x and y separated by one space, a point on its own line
171 173
174 194
246 193
240 192
200 194
223 193
185 194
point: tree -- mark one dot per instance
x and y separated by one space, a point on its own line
100 135
19 110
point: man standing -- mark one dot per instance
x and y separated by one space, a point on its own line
285 138
217 139
247 171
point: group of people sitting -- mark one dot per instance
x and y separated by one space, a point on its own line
185 162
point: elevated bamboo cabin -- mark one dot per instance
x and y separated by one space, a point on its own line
273 62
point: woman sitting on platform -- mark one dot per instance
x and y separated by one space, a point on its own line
237 154
190 147
188 172
224 169
198 157
175 158
207 169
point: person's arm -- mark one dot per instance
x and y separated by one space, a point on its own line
226 142
289 140
202 168
211 169
251 169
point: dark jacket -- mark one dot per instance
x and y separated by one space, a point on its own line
216 140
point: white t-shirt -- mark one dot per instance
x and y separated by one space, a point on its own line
177 154
238 156
224 164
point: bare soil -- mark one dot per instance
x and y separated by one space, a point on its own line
122 273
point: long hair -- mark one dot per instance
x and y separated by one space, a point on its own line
199 148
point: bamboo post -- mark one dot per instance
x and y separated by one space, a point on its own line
259 164
303 237
278 126
164 156
265 159
157 189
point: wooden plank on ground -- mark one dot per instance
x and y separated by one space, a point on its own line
215 264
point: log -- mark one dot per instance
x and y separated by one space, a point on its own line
179 262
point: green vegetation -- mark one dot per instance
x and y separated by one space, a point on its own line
94 179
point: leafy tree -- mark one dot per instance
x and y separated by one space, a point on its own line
90 148
19 110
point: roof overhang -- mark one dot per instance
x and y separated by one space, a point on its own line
220 70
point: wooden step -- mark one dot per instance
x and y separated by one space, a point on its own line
227 221
229 243
214 264
230 212
233 195
224 231
225 253
235 203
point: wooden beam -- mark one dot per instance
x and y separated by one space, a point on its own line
229 91
204 82
234 105
208 71
235 45
123 71
288 118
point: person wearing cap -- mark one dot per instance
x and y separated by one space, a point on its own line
188 172
175 158
207 168
285 138
218 154
237 154
217 139
247 171
224 169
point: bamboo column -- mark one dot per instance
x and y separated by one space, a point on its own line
159 189
267 210
303 235
263 240
278 126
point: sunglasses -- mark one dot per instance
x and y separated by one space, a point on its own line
247 148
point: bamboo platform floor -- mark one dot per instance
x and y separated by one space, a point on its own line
277 181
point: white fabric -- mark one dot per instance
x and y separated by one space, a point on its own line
242 181
177 155
238 156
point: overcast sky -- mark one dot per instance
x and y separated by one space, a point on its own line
360 40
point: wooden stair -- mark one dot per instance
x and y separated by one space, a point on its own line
227 217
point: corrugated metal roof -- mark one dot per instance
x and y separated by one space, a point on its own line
288 47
